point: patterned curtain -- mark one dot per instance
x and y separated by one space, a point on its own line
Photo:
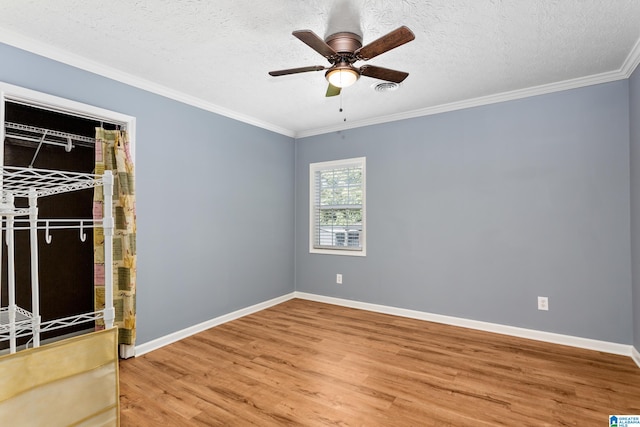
112 153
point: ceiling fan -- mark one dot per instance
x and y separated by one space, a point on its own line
343 49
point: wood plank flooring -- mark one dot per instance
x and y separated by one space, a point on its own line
312 364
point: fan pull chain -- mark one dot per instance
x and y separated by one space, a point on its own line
345 119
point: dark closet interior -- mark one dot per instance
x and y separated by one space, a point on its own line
65 264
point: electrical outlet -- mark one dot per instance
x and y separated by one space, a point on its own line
543 303
339 279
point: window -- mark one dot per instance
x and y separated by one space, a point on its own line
337 207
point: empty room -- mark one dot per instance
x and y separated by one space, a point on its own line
337 212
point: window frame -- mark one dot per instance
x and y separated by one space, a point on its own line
328 165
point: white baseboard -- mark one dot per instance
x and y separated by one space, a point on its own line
586 343
635 355
184 333
125 351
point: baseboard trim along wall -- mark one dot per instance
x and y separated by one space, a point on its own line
635 355
586 343
192 330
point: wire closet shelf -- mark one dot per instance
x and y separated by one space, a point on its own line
48 136
20 182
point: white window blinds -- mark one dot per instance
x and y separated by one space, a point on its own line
337 196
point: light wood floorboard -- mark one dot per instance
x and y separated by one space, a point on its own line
313 364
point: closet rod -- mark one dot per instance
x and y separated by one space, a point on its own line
64 111
42 132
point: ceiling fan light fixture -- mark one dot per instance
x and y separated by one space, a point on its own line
343 49
342 76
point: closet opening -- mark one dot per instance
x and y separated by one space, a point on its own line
47 139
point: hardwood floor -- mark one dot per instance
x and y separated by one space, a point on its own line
312 364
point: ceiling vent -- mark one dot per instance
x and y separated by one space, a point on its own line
386 87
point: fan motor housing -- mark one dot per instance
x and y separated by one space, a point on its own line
344 42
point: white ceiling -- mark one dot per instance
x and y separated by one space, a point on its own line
216 54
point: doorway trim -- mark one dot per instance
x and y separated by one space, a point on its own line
21 95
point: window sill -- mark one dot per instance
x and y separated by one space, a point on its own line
340 252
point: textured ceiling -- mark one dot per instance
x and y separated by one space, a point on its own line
216 54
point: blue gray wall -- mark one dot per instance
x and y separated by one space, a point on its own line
475 213
471 213
214 199
634 115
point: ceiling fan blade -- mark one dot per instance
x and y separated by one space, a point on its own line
383 73
395 38
296 70
312 40
332 90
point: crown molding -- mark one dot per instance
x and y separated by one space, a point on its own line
60 55
21 42
631 63
484 100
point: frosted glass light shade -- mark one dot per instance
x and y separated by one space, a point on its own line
342 77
